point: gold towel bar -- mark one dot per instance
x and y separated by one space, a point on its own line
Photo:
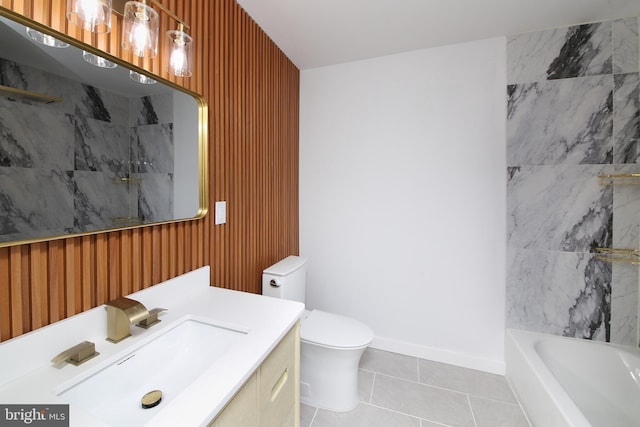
619 179
12 92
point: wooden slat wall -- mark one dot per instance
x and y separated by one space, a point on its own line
255 133
252 92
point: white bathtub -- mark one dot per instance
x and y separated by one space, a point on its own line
572 382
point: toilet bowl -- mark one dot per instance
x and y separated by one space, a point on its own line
330 349
331 345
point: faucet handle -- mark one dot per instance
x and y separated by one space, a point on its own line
77 354
151 319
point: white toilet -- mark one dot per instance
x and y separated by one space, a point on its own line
330 345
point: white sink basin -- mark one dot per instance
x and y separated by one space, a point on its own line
168 363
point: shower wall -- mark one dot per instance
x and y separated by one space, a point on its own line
573 114
62 164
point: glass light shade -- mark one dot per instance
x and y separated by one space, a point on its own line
179 51
98 61
90 15
140 29
141 78
45 39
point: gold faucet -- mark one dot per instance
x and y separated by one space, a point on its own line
123 312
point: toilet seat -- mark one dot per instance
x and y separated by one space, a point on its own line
335 331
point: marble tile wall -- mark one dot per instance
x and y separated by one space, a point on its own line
61 164
573 113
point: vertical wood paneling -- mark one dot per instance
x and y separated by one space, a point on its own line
255 149
252 93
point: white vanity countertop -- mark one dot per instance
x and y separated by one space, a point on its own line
28 377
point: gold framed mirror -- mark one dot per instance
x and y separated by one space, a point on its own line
86 149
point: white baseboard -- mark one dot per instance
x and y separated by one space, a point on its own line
439 355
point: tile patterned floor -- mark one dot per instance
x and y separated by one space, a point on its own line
398 391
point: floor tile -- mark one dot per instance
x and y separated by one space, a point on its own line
306 415
364 416
365 385
470 381
384 362
423 401
492 413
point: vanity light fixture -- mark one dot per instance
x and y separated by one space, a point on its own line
45 39
179 50
139 31
90 15
98 61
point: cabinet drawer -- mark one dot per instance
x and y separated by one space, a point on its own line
278 378
242 409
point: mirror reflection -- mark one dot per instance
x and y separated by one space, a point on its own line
85 148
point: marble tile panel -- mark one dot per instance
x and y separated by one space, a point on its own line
151 110
34 136
626 117
364 416
559 293
626 45
101 146
34 202
560 122
155 196
558 208
626 205
419 400
465 380
491 413
385 362
624 304
577 51
152 148
98 200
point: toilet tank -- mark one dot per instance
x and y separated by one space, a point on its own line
286 279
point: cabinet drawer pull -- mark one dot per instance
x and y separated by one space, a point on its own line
279 384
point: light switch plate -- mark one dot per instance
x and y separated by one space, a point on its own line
221 213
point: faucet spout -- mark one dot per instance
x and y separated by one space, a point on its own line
121 314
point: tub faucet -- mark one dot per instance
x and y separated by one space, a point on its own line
123 312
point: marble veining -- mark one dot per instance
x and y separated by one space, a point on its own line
152 187
28 217
560 122
625 45
548 293
573 113
626 118
558 208
578 51
586 51
94 104
152 148
76 153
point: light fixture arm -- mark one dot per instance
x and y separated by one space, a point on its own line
171 14
118 7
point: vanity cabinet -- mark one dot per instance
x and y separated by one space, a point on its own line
271 397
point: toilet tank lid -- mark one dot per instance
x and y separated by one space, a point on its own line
286 266
334 330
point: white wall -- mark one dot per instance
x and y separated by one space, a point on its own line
402 198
